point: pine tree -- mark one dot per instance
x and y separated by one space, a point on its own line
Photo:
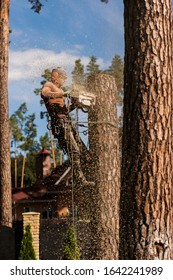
146 188
104 168
30 144
5 174
16 123
45 141
93 67
117 71
78 76
27 250
71 249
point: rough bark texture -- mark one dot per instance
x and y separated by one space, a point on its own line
146 220
105 171
5 176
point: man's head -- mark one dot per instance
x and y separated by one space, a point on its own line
59 75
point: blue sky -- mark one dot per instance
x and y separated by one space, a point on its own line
64 31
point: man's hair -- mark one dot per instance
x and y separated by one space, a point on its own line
60 71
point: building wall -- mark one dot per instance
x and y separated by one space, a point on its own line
60 207
33 206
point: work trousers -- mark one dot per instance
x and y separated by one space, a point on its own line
69 141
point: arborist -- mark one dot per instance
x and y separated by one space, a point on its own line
68 138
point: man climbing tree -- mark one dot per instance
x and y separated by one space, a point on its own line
146 218
69 141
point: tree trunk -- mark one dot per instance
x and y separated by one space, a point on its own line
23 171
5 173
146 219
105 171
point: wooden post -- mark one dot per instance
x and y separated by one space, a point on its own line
105 169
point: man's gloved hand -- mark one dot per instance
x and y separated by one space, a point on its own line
65 94
75 101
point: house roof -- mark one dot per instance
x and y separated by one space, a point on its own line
47 188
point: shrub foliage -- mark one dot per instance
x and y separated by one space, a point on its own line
27 250
71 249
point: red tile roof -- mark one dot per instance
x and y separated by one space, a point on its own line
47 186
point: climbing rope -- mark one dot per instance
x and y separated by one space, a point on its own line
71 153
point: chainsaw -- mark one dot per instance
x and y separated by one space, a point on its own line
85 98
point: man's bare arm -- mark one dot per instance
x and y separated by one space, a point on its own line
47 92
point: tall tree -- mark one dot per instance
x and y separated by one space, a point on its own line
45 141
30 146
5 174
78 76
104 167
93 67
23 136
117 71
146 219
16 121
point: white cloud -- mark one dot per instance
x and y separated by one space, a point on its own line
30 64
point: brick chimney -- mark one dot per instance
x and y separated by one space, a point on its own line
43 164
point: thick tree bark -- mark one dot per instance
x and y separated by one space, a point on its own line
146 219
5 175
105 171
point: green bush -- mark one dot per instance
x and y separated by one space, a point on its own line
71 249
27 250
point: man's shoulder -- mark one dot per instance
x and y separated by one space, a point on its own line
48 84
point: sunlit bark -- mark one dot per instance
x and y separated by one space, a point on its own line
105 171
5 176
146 219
